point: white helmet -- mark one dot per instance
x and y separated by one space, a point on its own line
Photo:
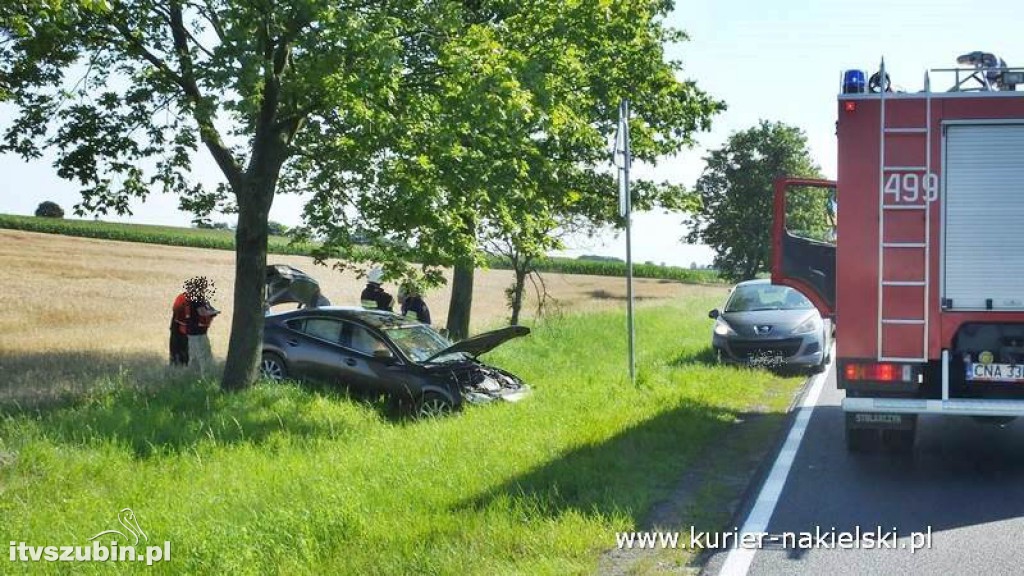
375 276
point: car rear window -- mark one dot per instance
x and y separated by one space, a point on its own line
323 328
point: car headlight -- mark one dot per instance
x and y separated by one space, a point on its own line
812 324
722 328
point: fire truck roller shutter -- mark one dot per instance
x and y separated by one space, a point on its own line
984 209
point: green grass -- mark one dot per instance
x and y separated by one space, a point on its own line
284 479
225 240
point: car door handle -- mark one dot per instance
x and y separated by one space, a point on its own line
292 342
350 361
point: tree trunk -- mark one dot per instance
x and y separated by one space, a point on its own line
246 343
751 268
461 303
517 294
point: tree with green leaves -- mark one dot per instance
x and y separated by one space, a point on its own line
732 204
414 126
508 138
126 91
587 211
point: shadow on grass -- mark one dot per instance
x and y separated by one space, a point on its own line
631 473
85 398
49 380
703 356
708 357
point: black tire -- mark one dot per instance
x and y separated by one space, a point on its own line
273 368
861 440
433 405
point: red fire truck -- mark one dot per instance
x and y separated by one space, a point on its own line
925 280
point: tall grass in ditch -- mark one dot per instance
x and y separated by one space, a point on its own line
283 478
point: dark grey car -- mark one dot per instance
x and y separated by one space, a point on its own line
770 325
380 353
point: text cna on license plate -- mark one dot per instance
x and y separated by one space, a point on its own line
996 372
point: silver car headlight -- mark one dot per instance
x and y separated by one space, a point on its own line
722 328
812 324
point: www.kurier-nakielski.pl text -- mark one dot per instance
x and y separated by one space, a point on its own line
876 538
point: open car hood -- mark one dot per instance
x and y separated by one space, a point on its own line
288 285
483 343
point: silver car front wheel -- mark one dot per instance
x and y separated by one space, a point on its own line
273 368
433 405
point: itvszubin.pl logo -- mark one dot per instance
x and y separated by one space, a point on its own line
107 546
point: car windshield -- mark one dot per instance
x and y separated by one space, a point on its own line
417 341
752 297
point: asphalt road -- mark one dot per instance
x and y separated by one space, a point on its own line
964 482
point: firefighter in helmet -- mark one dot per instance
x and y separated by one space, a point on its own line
374 297
413 305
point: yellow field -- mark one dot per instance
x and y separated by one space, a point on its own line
72 309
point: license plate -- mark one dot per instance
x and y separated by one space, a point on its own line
767 358
995 372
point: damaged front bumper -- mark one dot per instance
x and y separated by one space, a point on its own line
482 384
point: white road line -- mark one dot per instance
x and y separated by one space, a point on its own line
737 563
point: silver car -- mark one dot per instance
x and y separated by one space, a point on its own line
770 325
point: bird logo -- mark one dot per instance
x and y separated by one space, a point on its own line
126 517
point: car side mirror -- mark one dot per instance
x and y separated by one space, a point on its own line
714 314
383 354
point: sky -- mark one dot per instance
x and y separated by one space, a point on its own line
778 61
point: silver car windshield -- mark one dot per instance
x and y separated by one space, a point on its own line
753 297
419 342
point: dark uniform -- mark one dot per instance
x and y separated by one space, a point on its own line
414 308
181 310
376 298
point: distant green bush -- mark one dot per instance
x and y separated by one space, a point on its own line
49 210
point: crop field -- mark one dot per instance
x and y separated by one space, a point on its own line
224 240
289 478
69 303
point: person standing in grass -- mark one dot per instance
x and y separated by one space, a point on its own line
413 305
374 297
180 312
190 323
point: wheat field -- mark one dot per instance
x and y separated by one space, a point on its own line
75 309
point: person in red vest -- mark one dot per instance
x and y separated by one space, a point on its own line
190 321
180 312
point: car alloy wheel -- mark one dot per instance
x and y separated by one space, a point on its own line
433 406
271 368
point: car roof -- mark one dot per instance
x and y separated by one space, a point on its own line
375 318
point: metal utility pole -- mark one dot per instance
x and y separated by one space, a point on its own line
622 148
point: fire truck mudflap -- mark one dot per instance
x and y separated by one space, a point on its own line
927 288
